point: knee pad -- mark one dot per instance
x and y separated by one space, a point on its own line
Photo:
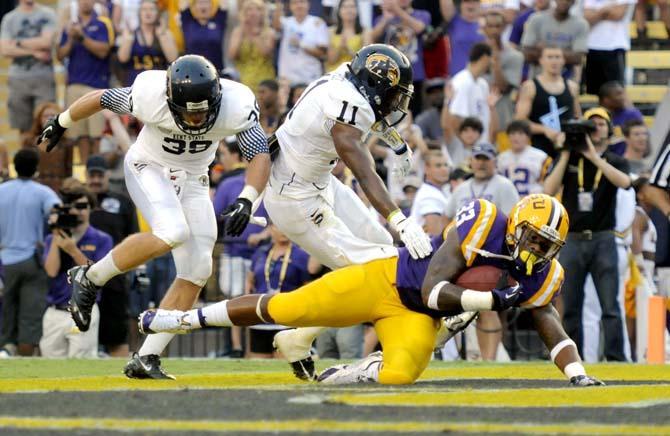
173 233
199 270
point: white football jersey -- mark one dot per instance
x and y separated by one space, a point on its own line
526 170
160 139
307 148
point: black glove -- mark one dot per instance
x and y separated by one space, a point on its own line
236 217
582 381
52 132
504 298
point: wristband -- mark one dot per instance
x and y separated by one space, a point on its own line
475 300
573 370
559 347
249 192
434 294
64 119
395 217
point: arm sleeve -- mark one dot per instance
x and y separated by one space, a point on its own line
460 104
579 44
118 100
530 37
252 142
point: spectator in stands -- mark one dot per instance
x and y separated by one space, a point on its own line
457 176
641 12
26 36
589 196
463 30
126 14
67 246
402 27
548 100
429 119
460 146
303 45
609 40
637 145
267 95
471 95
612 96
235 262
277 267
347 36
430 203
555 27
150 47
24 207
204 27
115 215
506 66
86 44
519 22
252 44
486 184
56 165
524 165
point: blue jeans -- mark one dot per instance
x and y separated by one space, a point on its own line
597 256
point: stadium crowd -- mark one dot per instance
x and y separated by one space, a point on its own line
494 82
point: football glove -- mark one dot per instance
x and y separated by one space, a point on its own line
236 217
411 234
582 381
52 133
505 297
402 164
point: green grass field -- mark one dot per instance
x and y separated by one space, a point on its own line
255 396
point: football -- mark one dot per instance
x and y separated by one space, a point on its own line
482 278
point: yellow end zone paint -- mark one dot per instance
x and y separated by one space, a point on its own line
312 425
610 396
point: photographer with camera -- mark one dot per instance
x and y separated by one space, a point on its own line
590 176
73 241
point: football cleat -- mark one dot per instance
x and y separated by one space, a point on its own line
452 325
144 367
84 294
365 370
298 354
163 321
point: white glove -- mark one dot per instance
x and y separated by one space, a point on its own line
412 235
402 164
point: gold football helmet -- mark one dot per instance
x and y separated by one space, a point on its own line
536 230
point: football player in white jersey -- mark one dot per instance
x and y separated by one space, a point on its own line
312 207
185 110
524 165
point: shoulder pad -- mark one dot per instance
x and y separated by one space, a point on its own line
149 97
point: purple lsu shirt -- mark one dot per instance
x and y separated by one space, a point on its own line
296 270
83 67
411 272
94 243
205 40
462 36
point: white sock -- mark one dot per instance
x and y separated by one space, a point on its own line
103 270
212 315
155 344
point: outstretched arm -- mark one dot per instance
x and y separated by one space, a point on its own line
563 350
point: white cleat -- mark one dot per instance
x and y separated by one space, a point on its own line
297 353
163 321
365 370
452 325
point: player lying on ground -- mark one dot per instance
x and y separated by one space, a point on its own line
405 298
186 111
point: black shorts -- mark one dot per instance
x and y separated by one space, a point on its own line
114 313
260 341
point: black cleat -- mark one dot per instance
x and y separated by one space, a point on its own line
84 294
144 367
304 369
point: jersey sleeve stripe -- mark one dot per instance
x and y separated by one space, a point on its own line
479 231
555 286
548 288
661 171
252 142
545 169
117 100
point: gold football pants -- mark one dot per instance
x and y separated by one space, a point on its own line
364 293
